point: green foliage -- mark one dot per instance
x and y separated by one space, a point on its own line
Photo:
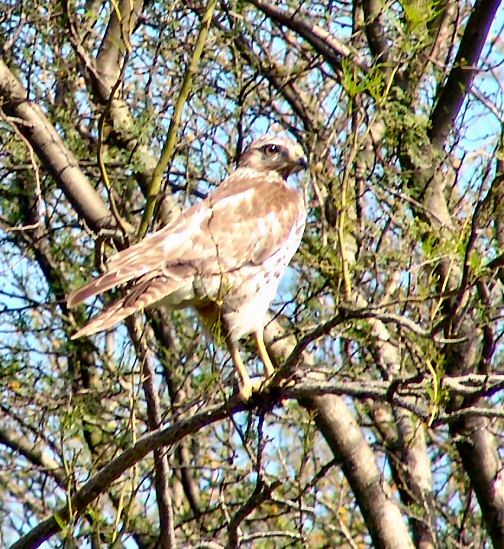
357 84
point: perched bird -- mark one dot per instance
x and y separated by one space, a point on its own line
223 257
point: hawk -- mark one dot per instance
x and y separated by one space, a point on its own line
223 257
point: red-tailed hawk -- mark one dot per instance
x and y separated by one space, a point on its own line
224 257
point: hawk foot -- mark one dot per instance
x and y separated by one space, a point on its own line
284 383
250 387
258 385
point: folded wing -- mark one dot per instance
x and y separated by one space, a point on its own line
244 222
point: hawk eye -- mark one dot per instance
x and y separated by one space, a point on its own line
271 149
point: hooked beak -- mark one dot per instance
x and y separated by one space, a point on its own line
300 165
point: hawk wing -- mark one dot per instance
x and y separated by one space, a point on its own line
244 222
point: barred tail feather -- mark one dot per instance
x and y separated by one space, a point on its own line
141 296
142 260
95 287
111 316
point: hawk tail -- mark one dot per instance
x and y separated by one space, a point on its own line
139 297
96 287
111 316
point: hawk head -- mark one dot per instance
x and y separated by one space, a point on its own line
269 153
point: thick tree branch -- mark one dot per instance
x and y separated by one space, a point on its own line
477 448
375 33
54 155
116 42
323 43
103 74
98 484
359 466
451 96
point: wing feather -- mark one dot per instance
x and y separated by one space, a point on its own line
244 222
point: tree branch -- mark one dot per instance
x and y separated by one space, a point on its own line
477 448
308 394
34 454
98 484
359 466
161 467
451 96
374 30
326 45
171 138
61 163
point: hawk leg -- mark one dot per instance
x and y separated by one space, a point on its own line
263 353
246 386
268 365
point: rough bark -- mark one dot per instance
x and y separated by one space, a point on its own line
27 116
376 501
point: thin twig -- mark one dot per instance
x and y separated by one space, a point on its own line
171 139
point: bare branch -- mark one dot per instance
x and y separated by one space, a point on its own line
326 45
452 94
161 467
